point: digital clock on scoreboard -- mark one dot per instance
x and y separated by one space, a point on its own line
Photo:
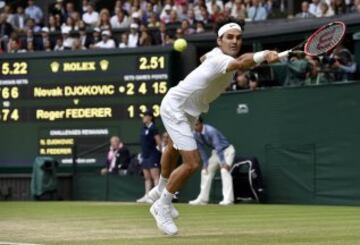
51 101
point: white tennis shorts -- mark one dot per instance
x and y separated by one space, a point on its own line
179 126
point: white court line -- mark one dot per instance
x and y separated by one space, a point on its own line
16 243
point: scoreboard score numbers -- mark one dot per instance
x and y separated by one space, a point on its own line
51 101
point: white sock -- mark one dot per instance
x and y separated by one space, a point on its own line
162 183
166 197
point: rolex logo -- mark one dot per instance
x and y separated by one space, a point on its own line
104 65
55 66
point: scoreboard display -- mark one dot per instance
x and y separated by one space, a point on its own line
52 101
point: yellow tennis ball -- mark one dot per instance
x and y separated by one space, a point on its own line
180 44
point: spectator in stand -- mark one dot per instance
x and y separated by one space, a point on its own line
53 27
34 12
58 9
70 10
165 14
133 38
106 41
84 6
314 8
191 16
326 11
9 13
257 12
5 28
214 5
13 46
182 10
145 38
304 14
153 21
104 20
200 27
204 15
30 47
124 40
30 24
120 20
59 46
77 45
197 9
344 64
69 25
29 38
339 7
179 33
67 39
18 21
186 28
242 81
47 45
356 7
95 38
84 38
173 18
118 157
158 36
238 11
91 17
45 39
217 14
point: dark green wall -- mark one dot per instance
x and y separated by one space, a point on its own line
307 139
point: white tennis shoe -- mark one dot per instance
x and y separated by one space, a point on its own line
163 218
155 194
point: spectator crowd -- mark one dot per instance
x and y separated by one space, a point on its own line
79 25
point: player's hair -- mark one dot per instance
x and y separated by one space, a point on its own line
219 24
200 120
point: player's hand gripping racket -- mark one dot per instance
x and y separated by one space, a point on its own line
322 41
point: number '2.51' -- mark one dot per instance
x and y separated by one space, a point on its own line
152 63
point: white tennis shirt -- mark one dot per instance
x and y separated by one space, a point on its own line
202 86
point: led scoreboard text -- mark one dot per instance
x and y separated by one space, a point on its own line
137 84
77 99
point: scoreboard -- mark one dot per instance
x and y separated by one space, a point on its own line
52 101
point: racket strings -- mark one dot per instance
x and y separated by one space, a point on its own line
325 40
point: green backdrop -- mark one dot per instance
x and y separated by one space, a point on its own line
307 139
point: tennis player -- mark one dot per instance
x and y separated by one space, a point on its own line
182 105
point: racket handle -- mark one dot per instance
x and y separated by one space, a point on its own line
284 54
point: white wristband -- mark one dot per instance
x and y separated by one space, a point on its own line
259 57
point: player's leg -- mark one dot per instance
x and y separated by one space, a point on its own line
207 175
148 185
226 178
168 164
191 162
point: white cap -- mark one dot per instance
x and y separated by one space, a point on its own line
106 32
2 4
96 29
228 27
135 15
44 29
134 26
167 7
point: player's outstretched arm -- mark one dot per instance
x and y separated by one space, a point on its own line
249 60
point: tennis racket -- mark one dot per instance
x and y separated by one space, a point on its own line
321 42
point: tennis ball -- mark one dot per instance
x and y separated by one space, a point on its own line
180 44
